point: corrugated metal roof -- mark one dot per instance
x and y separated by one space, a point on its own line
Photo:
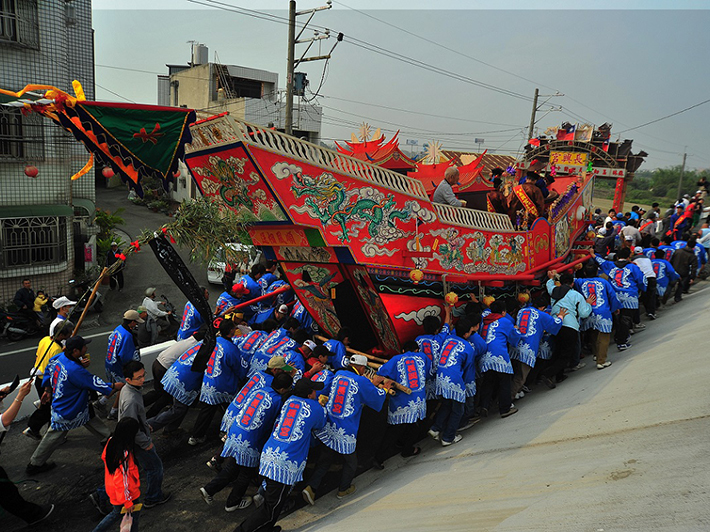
252 73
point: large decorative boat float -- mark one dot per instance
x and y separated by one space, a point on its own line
364 246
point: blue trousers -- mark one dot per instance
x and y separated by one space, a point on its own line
448 418
152 466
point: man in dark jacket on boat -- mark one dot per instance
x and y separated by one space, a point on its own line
444 193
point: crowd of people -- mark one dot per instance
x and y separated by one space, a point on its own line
284 398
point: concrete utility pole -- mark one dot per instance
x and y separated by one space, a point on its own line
532 117
680 179
293 40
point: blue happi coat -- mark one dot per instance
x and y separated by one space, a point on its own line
256 381
326 377
121 350
285 452
252 425
668 251
650 252
191 322
71 384
348 393
284 297
278 341
607 303
430 346
339 359
294 358
532 325
304 318
225 301
253 291
249 344
410 370
628 282
665 275
268 350
223 375
699 251
455 369
180 381
499 334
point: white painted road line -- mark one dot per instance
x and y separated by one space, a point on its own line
105 333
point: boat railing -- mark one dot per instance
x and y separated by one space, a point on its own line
474 219
225 128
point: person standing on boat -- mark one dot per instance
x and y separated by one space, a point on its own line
444 193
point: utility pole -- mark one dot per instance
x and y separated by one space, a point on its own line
680 179
293 40
532 117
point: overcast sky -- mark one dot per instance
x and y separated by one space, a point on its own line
627 66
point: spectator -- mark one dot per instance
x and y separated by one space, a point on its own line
444 192
157 318
63 305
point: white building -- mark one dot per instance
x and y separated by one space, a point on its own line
246 93
43 221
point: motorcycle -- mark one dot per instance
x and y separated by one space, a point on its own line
173 322
77 289
15 326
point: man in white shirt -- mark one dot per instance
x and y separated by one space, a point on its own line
63 306
154 314
646 266
444 193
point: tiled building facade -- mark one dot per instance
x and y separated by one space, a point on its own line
44 221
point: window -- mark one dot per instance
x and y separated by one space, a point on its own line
18 23
35 241
21 136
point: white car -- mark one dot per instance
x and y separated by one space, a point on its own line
215 270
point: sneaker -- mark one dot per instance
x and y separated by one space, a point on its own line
32 434
309 495
651 316
258 500
96 501
46 512
519 395
345 493
548 382
434 434
36 469
510 412
152 504
100 408
623 347
206 496
377 464
605 365
639 326
526 389
196 441
456 439
245 502
578 366
471 422
113 415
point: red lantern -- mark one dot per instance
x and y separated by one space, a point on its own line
107 172
416 276
451 298
31 171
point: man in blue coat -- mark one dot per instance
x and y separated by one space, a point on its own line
349 392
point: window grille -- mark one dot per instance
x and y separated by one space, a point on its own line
34 241
19 23
21 136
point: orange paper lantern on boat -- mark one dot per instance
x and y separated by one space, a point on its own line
416 276
451 298
31 171
107 172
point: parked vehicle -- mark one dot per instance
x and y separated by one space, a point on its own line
218 264
77 289
15 326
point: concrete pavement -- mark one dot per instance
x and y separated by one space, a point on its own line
622 449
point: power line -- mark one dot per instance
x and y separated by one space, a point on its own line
114 93
667 116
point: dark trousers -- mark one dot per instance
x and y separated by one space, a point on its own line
204 418
448 419
649 300
117 279
567 349
682 287
326 459
232 472
11 500
264 518
43 414
158 398
624 322
492 380
403 436
170 418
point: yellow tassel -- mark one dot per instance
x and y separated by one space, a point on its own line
78 90
86 168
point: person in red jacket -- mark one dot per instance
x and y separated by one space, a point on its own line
121 475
